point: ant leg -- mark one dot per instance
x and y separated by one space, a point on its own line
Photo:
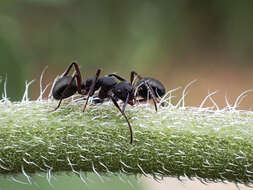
77 75
133 78
91 91
151 93
117 76
57 106
129 125
125 103
76 68
147 86
132 81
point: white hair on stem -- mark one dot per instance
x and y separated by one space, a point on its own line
1 100
205 99
42 91
51 90
142 171
4 95
228 107
26 175
12 178
4 167
82 178
5 88
240 98
72 166
95 171
166 98
184 93
214 103
49 176
25 96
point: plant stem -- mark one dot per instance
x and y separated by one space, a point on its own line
208 145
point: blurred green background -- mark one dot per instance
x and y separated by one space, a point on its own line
173 41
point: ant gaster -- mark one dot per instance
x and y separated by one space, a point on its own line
67 86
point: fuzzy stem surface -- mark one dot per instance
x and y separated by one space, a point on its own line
178 142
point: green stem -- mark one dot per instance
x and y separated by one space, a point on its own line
208 145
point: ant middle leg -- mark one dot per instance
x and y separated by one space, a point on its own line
91 91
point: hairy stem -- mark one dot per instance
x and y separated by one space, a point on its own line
208 145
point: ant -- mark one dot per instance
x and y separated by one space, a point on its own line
66 86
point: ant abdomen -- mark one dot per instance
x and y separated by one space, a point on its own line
63 89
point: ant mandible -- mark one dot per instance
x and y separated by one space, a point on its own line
66 86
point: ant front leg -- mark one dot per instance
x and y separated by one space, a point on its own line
132 77
91 91
122 112
152 93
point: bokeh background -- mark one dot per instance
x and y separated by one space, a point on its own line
173 41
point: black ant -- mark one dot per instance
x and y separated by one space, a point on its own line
66 86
